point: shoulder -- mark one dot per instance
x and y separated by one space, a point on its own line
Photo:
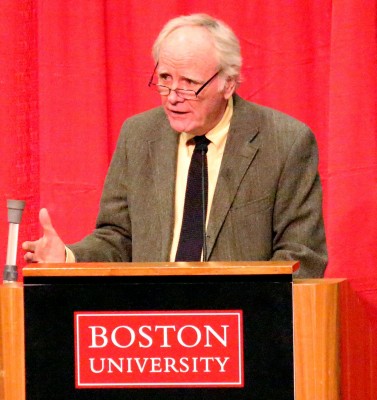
276 135
140 130
146 121
266 117
143 128
274 127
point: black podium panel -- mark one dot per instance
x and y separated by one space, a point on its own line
265 301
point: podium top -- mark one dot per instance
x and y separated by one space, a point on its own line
162 269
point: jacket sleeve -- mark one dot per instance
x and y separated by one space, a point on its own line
297 220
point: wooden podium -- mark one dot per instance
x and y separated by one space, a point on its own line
263 292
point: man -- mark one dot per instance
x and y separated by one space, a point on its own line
264 193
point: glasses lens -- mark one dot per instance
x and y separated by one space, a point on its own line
163 90
186 94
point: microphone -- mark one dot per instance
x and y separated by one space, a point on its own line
15 209
204 149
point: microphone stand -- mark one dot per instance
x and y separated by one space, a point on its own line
204 201
15 209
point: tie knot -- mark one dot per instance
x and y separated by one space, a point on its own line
201 143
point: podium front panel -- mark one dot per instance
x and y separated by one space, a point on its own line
263 302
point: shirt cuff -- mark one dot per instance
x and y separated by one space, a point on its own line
69 256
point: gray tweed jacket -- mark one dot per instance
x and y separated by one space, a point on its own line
267 203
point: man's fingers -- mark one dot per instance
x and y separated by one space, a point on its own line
45 221
49 248
29 246
29 257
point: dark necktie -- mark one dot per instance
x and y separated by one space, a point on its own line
192 239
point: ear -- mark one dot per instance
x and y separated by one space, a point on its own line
229 87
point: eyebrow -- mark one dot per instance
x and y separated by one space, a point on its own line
182 77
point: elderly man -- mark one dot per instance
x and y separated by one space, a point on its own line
260 189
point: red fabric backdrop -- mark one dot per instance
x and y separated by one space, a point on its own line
71 72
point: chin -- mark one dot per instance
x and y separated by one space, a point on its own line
179 126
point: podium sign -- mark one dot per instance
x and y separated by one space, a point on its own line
159 331
159 349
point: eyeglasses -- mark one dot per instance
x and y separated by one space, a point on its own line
186 94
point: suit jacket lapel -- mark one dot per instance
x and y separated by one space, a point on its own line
238 156
163 153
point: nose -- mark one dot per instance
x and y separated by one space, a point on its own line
174 98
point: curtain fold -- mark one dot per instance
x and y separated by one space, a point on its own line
19 134
73 115
351 171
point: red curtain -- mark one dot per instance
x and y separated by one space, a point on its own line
71 72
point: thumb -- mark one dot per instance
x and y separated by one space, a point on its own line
45 221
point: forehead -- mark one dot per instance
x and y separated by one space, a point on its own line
188 48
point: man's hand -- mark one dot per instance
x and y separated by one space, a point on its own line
49 248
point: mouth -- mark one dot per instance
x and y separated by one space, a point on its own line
176 113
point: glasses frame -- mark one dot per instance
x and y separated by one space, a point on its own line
150 83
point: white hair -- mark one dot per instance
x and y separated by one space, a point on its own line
226 43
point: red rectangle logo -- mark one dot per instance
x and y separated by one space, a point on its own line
159 349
